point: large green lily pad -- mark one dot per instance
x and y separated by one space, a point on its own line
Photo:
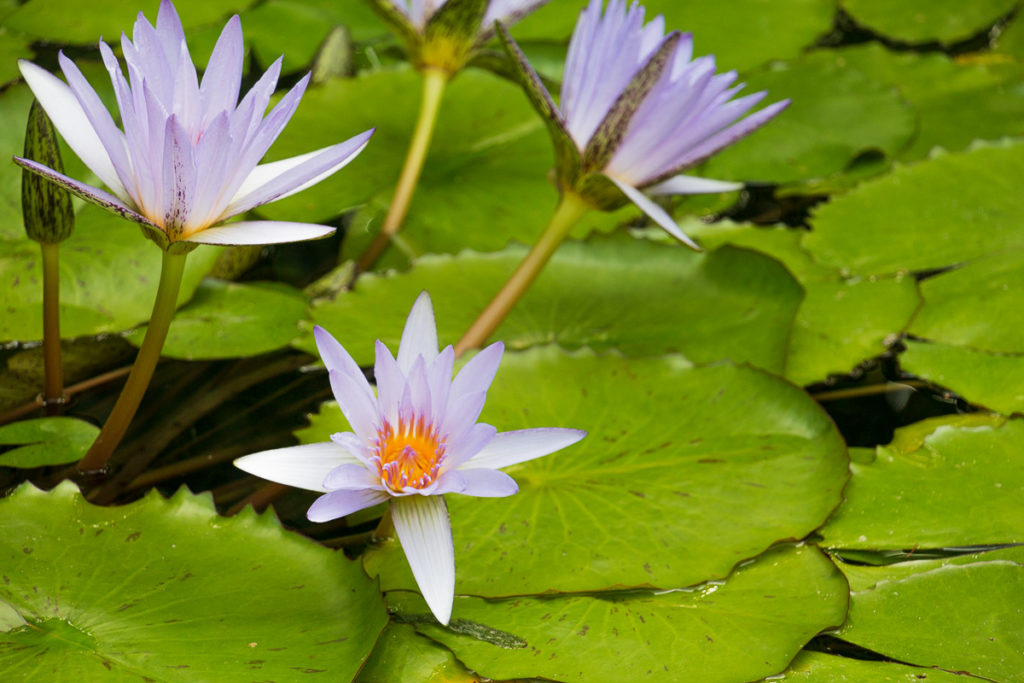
233 320
923 21
675 456
934 214
959 614
747 627
632 295
823 130
109 275
168 590
842 320
955 102
959 483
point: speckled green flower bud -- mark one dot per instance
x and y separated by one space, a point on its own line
46 207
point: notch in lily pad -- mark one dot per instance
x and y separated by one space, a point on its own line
45 441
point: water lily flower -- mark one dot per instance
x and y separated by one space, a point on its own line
443 34
188 156
637 109
413 442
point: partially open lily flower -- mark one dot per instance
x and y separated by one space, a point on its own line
443 34
637 109
416 440
187 157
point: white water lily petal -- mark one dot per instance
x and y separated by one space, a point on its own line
343 502
260 232
351 476
654 212
419 337
70 120
282 180
426 536
512 448
686 184
303 467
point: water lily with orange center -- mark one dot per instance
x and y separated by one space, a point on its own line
414 441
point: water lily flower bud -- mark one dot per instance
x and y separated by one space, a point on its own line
46 208
636 110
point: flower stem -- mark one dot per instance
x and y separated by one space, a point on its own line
434 82
570 209
53 383
120 417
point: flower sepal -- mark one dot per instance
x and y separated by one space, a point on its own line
400 22
600 192
568 160
160 238
46 207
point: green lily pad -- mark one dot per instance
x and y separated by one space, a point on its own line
675 455
817 667
960 614
749 626
924 21
729 303
977 305
401 654
63 21
168 590
233 320
296 28
13 46
841 321
109 274
934 214
823 130
960 485
955 102
46 441
984 378
768 30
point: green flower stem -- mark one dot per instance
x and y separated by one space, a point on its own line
53 382
171 270
570 209
434 82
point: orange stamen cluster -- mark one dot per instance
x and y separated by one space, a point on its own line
409 456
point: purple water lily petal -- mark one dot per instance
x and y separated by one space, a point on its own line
343 502
512 448
478 374
654 211
488 483
419 337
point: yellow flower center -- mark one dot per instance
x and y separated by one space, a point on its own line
409 456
